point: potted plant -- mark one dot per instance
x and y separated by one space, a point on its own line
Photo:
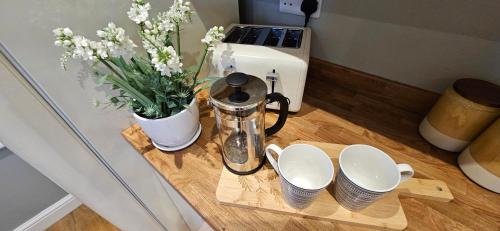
156 87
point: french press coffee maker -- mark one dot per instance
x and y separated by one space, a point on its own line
239 101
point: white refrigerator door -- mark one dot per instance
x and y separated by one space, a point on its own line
75 144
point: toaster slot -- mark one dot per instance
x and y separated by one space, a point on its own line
293 38
235 34
252 35
273 38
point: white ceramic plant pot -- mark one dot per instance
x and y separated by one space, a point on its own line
174 132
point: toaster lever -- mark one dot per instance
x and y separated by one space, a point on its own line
273 77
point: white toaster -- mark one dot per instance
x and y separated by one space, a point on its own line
279 55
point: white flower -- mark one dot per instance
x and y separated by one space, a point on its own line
154 35
100 49
78 47
115 40
139 11
88 50
166 60
164 22
156 32
64 59
148 24
213 37
63 37
66 31
180 12
58 32
80 41
101 34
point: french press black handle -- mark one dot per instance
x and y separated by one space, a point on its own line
283 101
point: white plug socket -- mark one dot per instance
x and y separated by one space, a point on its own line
293 7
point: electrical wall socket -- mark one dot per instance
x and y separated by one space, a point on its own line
293 7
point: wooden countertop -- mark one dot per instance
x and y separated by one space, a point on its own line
340 106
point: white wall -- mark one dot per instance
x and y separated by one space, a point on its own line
426 43
31 129
26 31
24 191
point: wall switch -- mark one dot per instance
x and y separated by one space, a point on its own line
293 7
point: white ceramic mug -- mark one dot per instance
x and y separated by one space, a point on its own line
366 173
304 171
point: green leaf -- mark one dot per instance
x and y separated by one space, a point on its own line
174 111
120 63
201 89
171 104
97 103
132 92
101 80
136 78
142 65
124 64
121 105
209 79
114 100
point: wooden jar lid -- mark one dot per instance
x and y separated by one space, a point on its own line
478 91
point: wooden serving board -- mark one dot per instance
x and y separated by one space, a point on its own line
262 191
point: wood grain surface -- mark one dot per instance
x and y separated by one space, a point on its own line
262 190
82 219
340 106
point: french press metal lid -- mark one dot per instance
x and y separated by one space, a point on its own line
239 101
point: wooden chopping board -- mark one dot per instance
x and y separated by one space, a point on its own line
262 191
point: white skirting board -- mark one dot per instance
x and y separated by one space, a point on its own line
51 214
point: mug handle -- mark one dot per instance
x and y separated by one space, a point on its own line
406 171
269 155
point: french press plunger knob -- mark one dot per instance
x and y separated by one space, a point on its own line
236 80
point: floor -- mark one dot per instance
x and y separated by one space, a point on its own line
82 219
380 105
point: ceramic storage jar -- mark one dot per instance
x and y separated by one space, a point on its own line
481 160
461 114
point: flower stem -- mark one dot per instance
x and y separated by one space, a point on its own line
140 33
177 32
199 66
149 40
111 68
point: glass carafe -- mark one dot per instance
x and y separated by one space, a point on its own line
239 101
